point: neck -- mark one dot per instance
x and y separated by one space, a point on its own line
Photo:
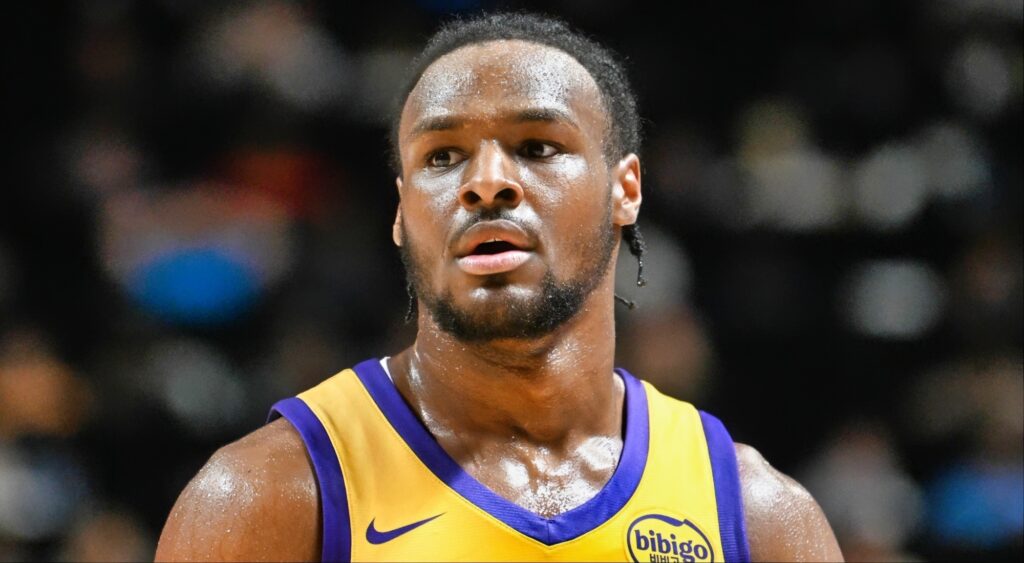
552 390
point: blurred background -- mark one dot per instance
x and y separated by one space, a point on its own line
195 222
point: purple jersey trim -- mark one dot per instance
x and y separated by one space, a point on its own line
336 530
548 531
722 451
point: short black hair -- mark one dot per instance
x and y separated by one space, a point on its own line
603 65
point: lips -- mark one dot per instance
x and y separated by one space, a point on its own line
493 247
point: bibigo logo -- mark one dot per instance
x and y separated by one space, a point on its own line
658 538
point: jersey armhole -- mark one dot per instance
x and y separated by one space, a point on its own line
335 524
728 494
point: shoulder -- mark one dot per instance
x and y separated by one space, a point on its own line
784 523
255 499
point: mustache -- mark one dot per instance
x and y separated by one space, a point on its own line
484 215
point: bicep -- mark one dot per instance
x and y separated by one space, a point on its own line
784 523
249 502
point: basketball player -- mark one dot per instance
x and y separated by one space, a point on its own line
504 432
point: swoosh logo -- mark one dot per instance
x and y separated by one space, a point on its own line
377 537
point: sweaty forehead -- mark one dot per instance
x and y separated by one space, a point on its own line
501 75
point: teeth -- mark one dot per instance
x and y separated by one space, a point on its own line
495 240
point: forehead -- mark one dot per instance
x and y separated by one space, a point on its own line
486 80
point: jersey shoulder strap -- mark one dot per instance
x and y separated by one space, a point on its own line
692 449
693 458
335 524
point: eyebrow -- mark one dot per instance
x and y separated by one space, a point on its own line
529 115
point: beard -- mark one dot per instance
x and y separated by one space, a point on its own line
518 316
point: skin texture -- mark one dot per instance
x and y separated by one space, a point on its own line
255 500
515 130
474 396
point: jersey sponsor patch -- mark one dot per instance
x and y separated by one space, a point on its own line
660 538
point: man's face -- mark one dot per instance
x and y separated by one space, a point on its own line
508 211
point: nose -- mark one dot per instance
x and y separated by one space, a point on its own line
490 181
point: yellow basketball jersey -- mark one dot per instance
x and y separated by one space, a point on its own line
389 492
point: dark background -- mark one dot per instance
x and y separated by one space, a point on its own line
195 222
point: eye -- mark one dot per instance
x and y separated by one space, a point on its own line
537 149
444 158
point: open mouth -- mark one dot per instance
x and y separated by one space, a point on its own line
494 256
494 247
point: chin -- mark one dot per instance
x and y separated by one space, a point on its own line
507 312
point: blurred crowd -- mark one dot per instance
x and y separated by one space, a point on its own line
196 222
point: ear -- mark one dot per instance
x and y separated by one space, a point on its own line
626 193
396 229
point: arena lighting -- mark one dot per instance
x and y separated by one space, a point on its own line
894 299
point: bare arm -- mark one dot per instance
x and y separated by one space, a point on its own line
784 523
255 500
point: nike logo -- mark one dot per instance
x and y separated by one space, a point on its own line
376 537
